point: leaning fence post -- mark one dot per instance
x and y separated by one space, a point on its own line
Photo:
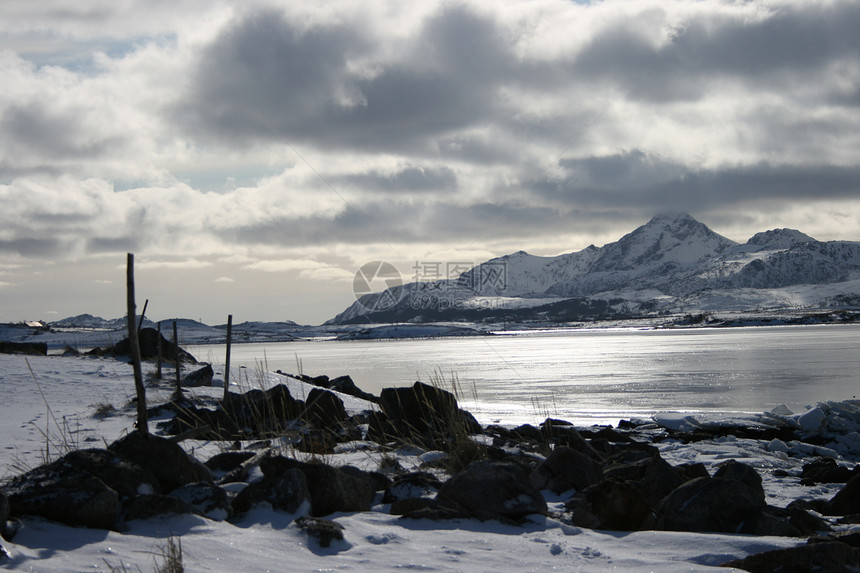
178 393
158 359
134 343
227 366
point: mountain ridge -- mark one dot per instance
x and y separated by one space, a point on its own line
662 266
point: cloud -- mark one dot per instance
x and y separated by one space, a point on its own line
187 264
307 138
224 280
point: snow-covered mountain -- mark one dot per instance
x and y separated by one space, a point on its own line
665 265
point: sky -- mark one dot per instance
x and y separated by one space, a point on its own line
254 156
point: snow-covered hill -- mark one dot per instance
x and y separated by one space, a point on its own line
666 265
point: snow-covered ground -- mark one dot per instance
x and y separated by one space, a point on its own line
49 405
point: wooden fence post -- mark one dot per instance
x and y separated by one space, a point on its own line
142 423
227 366
178 392
158 359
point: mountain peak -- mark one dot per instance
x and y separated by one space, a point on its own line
675 238
779 239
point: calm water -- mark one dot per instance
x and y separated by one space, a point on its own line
590 376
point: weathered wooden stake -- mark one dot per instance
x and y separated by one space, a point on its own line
178 392
142 314
158 359
142 423
227 366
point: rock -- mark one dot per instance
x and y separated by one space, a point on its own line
30 348
655 477
4 515
847 500
491 489
206 499
410 505
147 506
287 491
148 342
198 378
424 409
51 490
824 470
167 461
258 411
323 530
412 485
618 505
345 385
743 473
565 434
830 557
851 538
709 505
566 468
692 470
331 489
380 482
226 462
126 477
72 498
324 409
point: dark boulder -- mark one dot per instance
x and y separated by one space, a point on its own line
412 485
30 348
167 461
323 409
125 477
73 498
153 505
734 470
200 377
345 385
105 477
830 557
564 469
492 490
148 342
654 476
331 489
709 505
847 500
4 517
617 505
226 462
288 492
206 499
824 470
323 530
425 412
380 481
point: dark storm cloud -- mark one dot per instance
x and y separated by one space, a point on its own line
776 53
410 179
36 135
268 76
32 247
397 222
638 181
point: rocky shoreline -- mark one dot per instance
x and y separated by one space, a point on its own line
609 478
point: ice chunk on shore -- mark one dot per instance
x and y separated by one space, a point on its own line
812 421
677 421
